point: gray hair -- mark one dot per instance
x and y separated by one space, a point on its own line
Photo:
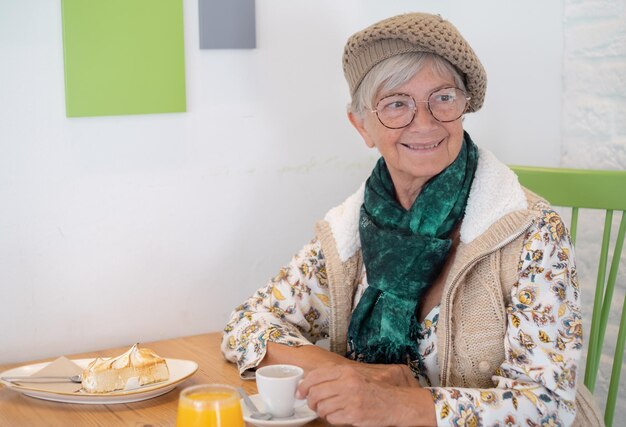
396 71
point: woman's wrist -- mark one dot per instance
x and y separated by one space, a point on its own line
308 357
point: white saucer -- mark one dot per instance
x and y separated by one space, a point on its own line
303 414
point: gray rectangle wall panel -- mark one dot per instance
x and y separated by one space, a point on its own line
227 24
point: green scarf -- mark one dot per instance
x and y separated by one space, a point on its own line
404 252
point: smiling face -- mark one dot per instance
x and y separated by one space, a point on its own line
425 147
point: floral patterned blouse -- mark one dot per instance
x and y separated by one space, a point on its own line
536 384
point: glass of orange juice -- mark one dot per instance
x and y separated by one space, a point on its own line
209 405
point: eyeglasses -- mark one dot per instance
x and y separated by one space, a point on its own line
398 110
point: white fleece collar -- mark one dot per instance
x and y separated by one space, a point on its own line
495 192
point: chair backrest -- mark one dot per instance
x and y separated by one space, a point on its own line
591 189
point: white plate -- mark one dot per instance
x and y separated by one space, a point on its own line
303 414
179 369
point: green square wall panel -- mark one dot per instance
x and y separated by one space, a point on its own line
123 57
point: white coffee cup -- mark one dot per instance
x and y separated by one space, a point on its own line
277 386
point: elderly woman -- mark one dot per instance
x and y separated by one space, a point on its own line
448 292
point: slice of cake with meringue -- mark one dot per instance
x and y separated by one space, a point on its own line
136 367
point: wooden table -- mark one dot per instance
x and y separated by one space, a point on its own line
23 411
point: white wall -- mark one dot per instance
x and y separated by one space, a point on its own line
135 228
594 137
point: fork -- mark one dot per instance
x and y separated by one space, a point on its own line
54 379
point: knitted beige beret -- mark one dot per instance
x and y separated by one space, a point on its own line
414 32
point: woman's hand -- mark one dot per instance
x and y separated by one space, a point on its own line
395 375
310 357
346 395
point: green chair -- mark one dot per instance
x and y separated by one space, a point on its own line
591 189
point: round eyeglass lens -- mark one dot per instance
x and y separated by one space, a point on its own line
396 111
447 105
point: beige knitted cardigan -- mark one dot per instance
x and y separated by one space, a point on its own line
472 320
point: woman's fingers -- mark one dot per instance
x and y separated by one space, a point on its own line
348 401
329 391
317 376
330 405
